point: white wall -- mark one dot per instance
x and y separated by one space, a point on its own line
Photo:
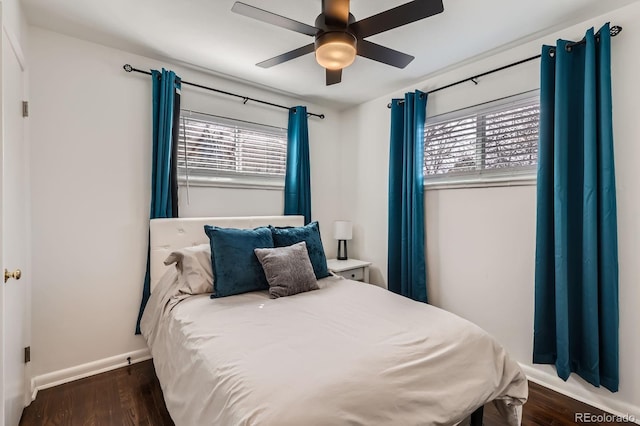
90 171
14 19
481 242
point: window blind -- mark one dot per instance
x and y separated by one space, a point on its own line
211 146
497 139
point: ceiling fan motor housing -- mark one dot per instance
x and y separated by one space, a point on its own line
326 23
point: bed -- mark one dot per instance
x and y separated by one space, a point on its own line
348 353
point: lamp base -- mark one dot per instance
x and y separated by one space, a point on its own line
342 244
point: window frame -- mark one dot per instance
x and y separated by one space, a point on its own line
518 177
226 179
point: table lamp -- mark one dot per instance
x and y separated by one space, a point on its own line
342 231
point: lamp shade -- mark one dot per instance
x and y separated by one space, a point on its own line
342 230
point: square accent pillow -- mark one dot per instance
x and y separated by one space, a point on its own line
235 267
194 268
288 269
310 234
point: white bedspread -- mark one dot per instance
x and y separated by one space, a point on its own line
347 354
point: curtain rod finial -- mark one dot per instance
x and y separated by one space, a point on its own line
127 68
615 30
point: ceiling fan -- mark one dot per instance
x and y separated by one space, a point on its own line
339 37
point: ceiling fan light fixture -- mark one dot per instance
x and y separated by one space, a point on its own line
336 50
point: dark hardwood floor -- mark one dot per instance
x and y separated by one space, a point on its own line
132 396
126 396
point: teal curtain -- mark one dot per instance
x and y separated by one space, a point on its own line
576 282
164 181
406 268
297 182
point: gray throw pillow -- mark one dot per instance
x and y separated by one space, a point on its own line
288 269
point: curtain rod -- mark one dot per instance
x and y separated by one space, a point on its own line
245 99
614 31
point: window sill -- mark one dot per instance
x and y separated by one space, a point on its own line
474 182
233 182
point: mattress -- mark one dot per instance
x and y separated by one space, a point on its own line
348 353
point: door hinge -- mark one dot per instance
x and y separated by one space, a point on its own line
27 354
25 108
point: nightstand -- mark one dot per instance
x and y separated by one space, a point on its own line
353 269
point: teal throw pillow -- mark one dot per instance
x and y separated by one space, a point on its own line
310 234
236 268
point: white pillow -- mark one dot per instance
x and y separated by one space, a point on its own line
194 269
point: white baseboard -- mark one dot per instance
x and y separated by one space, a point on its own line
573 390
67 375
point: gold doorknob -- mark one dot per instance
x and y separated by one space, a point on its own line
15 274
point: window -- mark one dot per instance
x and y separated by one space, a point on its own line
221 151
488 143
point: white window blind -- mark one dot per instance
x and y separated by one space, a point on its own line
214 149
492 142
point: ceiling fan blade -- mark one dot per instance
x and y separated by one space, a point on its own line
336 11
334 77
271 18
397 17
383 54
287 56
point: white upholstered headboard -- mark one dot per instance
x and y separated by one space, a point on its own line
167 235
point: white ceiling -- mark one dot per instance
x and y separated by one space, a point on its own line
206 34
